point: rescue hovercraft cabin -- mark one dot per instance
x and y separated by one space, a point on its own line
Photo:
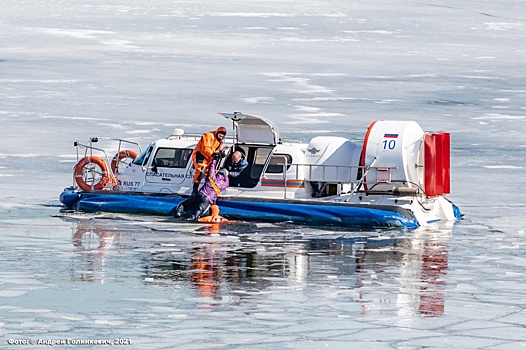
398 177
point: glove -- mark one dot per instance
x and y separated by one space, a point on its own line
216 155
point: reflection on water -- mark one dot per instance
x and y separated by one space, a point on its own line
102 240
405 275
90 242
434 273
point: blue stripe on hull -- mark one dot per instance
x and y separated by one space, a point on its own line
128 204
315 214
263 211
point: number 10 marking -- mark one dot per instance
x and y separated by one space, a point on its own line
391 144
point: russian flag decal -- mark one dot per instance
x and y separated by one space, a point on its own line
390 136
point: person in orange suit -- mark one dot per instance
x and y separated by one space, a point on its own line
208 147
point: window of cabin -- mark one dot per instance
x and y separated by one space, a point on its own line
172 157
143 157
277 162
260 158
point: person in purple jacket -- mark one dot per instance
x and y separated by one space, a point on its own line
215 183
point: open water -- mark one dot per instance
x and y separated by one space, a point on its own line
137 69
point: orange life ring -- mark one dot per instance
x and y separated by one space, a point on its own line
119 157
93 174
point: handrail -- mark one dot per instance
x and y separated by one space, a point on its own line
285 166
360 181
129 142
121 141
90 147
96 139
337 167
355 182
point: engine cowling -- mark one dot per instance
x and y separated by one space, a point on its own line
400 153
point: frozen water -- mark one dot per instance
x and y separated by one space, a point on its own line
71 70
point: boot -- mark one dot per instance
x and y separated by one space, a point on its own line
195 189
179 211
195 216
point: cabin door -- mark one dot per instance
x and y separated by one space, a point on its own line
256 137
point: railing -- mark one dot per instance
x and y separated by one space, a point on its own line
340 175
121 141
89 148
93 140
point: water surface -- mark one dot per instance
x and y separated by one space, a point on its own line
69 71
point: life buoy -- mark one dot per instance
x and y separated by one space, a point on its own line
97 178
124 154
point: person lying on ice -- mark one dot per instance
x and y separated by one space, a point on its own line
215 183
